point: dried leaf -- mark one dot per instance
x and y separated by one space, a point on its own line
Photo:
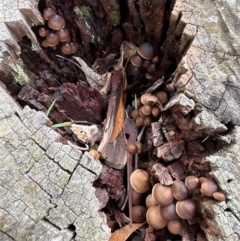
123 233
120 116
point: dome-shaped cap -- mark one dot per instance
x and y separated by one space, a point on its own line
56 22
139 180
186 209
146 50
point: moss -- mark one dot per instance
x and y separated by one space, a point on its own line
115 17
20 76
85 12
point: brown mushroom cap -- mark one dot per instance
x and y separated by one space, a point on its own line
135 114
155 59
138 213
137 60
162 194
135 71
147 121
180 191
74 47
146 63
42 32
202 179
156 111
48 13
139 146
186 209
52 39
192 182
139 121
151 68
219 196
144 98
66 48
148 76
140 181
95 154
146 110
149 201
136 197
154 218
209 187
175 226
56 22
44 43
146 50
169 212
132 148
162 95
63 34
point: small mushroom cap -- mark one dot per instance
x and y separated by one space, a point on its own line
156 111
66 48
52 39
162 194
140 181
132 148
146 50
186 209
149 201
144 98
151 68
74 47
169 212
137 198
146 110
138 213
135 71
192 182
137 60
209 187
139 146
147 121
63 34
146 63
48 13
148 76
56 22
42 32
175 226
95 154
162 95
135 114
219 196
44 43
154 218
155 59
180 191
202 179
139 121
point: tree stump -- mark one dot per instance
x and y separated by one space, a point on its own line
46 185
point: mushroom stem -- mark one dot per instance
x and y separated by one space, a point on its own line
129 187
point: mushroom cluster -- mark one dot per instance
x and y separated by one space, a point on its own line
144 61
168 205
148 108
55 32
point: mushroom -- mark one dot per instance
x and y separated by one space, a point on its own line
156 111
162 194
140 147
74 47
155 59
219 196
66 48
148 76
175 226
147 121
137 198
139 121
135 114
42 32
44 43
146 110
132 148
140 181
135 71
136 60
186 209
149 201
146 50
151 68
162 95
146 63
48 13
191 182
154 218
52 39
208 187
95 154
63 34
169 212
144 98
138 214
56 22
180 191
